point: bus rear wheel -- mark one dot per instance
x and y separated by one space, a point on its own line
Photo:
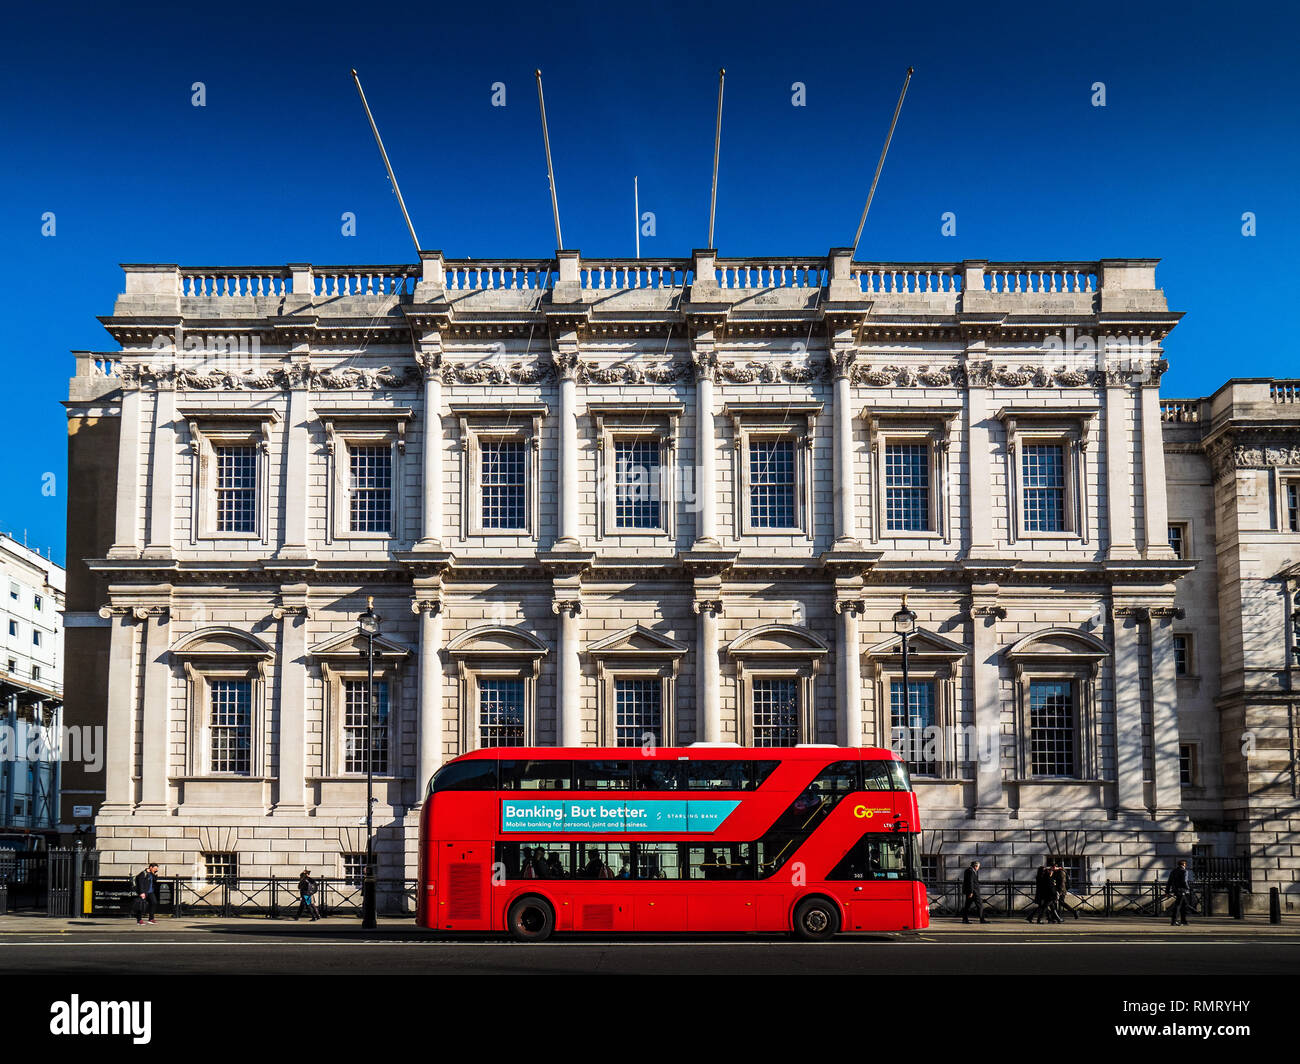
815 920
530 919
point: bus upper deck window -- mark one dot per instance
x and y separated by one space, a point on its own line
876 776
898 774
479 774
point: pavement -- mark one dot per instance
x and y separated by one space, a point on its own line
252 945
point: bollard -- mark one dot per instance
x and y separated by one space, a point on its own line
1234 901
1274 905
1207 901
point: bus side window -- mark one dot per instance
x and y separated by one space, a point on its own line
657 860
656 776
602 775
714 775
840 778
536 775
756 772
876 777
477 774
877 855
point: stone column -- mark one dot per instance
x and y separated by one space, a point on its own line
126 539
708 701
568 694
1131 792
155 715
1119 469
842 359
119 788
1154 500
1164 710
430 741
291 682
706 470
163 460
848 652
566 364
986 698
295 463
431 460
978 445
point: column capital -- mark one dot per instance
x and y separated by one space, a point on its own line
566 363
711 606
426 603
841 362
705 363
429 359
569 607
141 613
281 612
854 607
1141 613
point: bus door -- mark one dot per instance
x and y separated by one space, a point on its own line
464 871
879 883
721 894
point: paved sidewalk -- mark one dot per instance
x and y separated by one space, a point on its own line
389 926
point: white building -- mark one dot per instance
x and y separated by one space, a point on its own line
593 500
31 687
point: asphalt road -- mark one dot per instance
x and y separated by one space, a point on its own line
261 948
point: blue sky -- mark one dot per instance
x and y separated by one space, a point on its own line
1199 127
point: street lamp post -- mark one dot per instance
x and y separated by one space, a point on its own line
369 625
904 626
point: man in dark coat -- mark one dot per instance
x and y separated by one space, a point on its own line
146 889
1044 895
1180 886
970 887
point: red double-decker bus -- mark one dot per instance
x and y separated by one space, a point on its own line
809 840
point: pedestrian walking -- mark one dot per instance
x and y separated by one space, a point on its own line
974 896
307 896
1044 895
1061 883
1179 886
146 890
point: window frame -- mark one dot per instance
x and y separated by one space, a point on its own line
1189 655
496 652
1069 428
1286 478
1193 764
616 422
1185 528
349 428
1076 732
517 422
210 430
339 662
201 673
901 426
931 658
633 654
753 421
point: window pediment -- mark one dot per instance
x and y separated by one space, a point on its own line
637 642
496 641
777 641
1058 645
921 646
217 643
352 647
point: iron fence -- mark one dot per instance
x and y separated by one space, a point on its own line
1016 897
274 897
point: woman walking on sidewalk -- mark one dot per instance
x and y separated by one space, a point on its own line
307 896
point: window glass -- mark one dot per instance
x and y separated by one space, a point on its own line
907 487
657 775
657 860
1051 727
500 712
371 496
776 711
477 774
604 860
878 856
231 726
636 483
602 775
915 738
723 860
356 697
536 775
756 772
1043 471
772 483
714 775
898 776
236 489
839 778
638 711
502 484
545 860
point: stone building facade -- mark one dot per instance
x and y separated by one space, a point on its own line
595 500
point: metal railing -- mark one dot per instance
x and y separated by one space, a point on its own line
1016 897
274 897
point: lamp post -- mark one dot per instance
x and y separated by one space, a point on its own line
904 626
368 622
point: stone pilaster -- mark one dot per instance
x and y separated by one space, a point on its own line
706 471
1164 710
296 458
291 682
119 785
708 605
126 538
566 365
155 715
430 361
428 606
568 710
163 462
848 653
841 359
1119 486
987 697
1129 774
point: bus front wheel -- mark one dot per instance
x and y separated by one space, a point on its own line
815 920
530 919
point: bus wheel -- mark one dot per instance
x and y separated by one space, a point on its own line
530 919
815 920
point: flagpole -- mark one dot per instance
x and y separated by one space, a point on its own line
387 165
717 144
880 165
636 207
550 171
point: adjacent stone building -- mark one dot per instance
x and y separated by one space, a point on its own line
600 500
